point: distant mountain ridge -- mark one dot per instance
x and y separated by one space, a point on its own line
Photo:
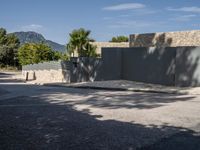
33 37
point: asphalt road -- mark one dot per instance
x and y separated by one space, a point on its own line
54 118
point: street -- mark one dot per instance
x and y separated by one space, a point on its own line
37 117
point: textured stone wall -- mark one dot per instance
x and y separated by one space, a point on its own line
46 76
47 72
101 45
168 39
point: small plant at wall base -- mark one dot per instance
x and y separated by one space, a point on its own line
119 39
80 43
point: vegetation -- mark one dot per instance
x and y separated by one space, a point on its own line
31 53
80 43
9 44
119 39
60 56
11 54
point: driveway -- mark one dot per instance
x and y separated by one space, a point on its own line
59 118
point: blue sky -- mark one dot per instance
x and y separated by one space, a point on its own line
55 19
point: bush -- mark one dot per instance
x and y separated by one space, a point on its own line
119 39
31 53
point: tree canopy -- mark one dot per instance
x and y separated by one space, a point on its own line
80 42
9 45
31 53
119 39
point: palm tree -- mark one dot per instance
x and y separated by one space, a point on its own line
79 41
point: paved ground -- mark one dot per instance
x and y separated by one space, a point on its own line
124 85
58 118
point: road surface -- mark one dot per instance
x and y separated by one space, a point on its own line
55 118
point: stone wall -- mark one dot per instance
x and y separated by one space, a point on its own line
76 70
47 72
168 39
45 76
101 45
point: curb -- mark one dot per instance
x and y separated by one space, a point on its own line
114 89
124 89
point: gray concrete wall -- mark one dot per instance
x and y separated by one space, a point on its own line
172 66
111 64
85 69
149 65
188 66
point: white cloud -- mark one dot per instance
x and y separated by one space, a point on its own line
125 6
32 27
131 24
183 18
186 9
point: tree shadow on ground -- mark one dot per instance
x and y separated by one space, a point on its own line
5 75
137 101
117 99
102 99
7 78
38 122
35 124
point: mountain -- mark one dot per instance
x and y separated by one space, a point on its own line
33 37
56 46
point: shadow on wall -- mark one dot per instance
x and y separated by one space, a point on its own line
188 66
161 64
147 64
84 69
42 124
66 70
172 66
151 40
